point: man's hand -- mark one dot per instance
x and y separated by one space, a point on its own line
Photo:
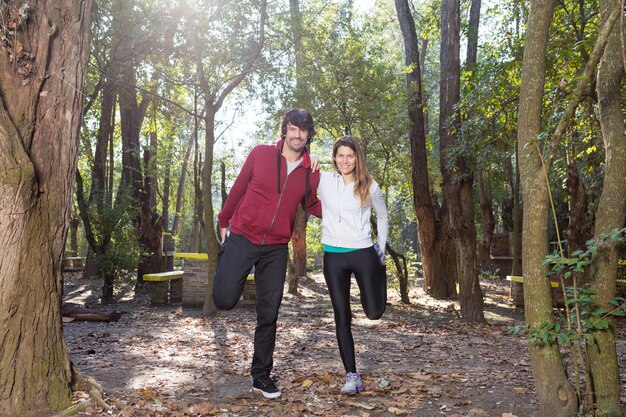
315 163
223 231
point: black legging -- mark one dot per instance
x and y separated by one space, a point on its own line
371 278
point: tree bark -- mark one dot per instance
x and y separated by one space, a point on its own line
433 237
555 393
40 116
603 364
298 246
489 220
457 176
301 96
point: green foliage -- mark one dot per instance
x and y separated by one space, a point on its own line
584 316
116 224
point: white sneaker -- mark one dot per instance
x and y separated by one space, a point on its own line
353 384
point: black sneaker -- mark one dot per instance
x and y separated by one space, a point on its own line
266 386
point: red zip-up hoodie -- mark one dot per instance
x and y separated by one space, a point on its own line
262 208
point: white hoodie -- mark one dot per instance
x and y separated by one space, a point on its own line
345 223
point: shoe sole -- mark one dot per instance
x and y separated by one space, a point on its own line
355 392
271 395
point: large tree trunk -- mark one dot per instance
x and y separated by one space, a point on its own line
603 364
457 176
40 116
517 223
555 393
433 239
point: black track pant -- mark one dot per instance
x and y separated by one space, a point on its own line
270 266
371 278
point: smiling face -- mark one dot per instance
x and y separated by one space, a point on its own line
345 160
296 138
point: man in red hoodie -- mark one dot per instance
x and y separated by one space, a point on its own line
260 212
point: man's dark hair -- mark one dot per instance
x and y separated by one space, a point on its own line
298 117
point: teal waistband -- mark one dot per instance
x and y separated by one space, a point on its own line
337 249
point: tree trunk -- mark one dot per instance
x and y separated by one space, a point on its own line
555 393
603 363
214 97
40 116
432 234
298 246
489 220
74 223
301 96
151 224
517 223
209 225
457 176
579 229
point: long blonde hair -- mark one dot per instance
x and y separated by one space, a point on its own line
362 178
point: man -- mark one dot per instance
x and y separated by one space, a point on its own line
260 212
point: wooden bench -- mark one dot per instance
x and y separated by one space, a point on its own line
517 291
514 278
165 287
73 264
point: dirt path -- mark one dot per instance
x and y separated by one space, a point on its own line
419 360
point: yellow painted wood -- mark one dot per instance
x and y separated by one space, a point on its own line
192 256
514 278
163 276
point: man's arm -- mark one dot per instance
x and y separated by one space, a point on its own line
236 193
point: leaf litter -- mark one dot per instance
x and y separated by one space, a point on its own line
418 360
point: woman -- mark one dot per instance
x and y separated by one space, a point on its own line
348 194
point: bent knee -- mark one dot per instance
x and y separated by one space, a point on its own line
376 314
222 303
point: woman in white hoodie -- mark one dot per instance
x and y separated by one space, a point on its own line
348 195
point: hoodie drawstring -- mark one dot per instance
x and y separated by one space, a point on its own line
278 168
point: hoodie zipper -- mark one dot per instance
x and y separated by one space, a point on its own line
280 198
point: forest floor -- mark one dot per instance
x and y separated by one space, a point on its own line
418 360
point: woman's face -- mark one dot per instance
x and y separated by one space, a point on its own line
345 158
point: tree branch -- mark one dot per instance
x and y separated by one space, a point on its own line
596 55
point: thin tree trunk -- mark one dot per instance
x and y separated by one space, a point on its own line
301 96
555 393
603 364
40 116
213 102
298 245
489 220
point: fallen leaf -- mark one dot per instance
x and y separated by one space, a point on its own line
398 411
327 377
306 383
362 405
147 394
508 415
